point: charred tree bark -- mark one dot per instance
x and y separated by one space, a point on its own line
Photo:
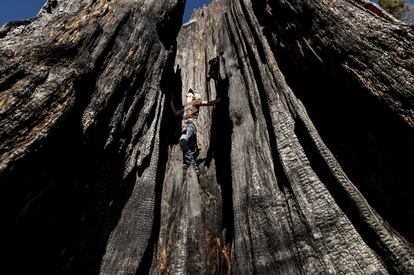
313 136
283 177
355 77
81 112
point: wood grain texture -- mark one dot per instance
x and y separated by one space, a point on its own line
304 164
81 111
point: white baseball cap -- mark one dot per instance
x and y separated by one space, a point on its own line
197 96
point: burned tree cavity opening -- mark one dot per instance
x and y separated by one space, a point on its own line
220 150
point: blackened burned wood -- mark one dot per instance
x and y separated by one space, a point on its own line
193 225
81 112
354 73
295 211
293 168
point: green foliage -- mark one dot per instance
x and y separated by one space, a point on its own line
400 9
395 7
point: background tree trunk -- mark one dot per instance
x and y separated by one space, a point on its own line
307 152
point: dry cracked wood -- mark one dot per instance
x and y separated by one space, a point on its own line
293 166
295 210
81 112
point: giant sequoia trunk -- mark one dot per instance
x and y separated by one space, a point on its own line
82 106
302 163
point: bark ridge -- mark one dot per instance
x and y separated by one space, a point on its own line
304 164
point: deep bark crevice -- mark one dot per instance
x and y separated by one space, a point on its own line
170 84
173 121
220 150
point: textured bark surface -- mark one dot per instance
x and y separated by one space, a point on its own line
313 138
284 179
81 110
354 73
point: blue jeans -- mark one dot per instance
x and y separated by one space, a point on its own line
188 155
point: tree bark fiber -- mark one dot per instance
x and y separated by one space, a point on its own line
305 164
81 112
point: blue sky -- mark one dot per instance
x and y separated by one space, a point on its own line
191 4
11 10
